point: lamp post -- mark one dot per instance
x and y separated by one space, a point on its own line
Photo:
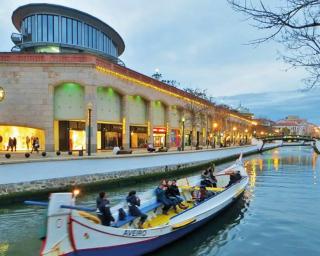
246 131
182 141
234 134
89 106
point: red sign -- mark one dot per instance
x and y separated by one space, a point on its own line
159 130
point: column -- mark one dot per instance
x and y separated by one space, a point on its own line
168 126
125 121
91 103
49 128
150 121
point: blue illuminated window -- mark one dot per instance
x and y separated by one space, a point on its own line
64 30
90 36
69 31
56 29
79 41
39 27
44 28
50 28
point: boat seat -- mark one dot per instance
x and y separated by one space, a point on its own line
130 218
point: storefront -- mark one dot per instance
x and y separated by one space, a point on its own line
72 135
109 136
175 138
23 137
138 136
159 136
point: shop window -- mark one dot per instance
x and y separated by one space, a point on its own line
23 136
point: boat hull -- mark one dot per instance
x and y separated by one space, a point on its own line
149 245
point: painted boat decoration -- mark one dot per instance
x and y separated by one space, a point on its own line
72 232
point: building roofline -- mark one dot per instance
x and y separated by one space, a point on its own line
94 60
26 10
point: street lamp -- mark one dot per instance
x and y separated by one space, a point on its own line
182 141
89 106
234 134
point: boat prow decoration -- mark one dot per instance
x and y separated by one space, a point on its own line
71 232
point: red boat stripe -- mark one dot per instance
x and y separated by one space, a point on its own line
104 231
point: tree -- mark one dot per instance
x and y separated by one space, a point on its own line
158 76
200 93
197 113
294 24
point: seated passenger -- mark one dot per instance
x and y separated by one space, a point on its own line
162 198
103 209
173 194
206 179
213 179
235 176
202 194
133 204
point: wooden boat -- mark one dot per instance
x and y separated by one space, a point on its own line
73 232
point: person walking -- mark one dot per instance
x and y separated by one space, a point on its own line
28 142
14 144
10 144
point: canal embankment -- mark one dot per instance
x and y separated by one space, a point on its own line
21 180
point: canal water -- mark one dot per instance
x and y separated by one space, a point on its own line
279 213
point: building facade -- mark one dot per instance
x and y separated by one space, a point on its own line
63 82
293 125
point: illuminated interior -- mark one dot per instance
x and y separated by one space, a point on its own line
77 140
23 135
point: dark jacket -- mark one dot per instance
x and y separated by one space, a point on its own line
173 190
162 197
133 204
105 213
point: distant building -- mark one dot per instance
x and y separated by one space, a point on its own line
244 111
263 127
293 125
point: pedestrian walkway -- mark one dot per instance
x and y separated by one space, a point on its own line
33 171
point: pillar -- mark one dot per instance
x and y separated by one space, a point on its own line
150 121
125 121
49 129
168 126
91 99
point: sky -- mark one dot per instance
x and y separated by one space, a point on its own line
277 105
200 44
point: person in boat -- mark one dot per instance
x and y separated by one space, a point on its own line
173 194
103 209
235 176
162 198
207 178
133 204
213 178
202 194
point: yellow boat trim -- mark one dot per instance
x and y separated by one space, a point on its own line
183 223
90 217
197 188
162 219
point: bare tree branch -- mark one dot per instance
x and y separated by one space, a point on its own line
293 23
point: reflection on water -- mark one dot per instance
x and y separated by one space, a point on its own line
278 213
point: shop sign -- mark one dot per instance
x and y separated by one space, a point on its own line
138 129
159 130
